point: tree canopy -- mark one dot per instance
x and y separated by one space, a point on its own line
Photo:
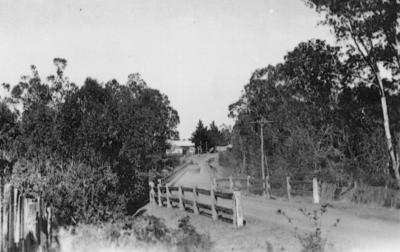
88 150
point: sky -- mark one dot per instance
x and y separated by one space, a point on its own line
200 53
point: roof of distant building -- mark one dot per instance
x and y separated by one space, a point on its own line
181 143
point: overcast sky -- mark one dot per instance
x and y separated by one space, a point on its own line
199 52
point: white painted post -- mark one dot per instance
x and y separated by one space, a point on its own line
168 195
237 210
315 191
288 187
213 202
195 208
159 193
180 192
231 183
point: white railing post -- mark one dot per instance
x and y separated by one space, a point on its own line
237 210
315 191
231 183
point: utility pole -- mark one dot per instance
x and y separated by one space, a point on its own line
262 122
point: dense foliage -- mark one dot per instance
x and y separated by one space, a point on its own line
321 121
370 35
88 150
206 138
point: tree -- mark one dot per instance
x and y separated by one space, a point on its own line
8 132
200 137
88 151
370 31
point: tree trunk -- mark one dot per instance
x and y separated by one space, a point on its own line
386 123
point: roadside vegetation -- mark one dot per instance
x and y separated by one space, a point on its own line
316 239
142 233
87 150
331 111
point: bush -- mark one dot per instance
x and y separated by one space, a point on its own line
312 241
189 239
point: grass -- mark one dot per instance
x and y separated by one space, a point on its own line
143 233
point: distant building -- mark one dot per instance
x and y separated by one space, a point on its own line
180 147
223 148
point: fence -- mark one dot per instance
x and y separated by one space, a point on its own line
175 197
272 187
25 222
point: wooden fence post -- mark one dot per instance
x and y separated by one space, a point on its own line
213 202
267 187
151 193
231 183
195 208
315 191
159 193
237 209
167 192
180 195
248 184
288 187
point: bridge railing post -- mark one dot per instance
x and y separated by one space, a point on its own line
213 202
180 193
237 209
167 192
195 196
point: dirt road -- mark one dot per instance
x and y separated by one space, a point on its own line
359 229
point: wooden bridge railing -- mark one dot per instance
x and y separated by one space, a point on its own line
167 178
163 196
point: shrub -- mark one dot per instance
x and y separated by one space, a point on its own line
312 241
189 239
